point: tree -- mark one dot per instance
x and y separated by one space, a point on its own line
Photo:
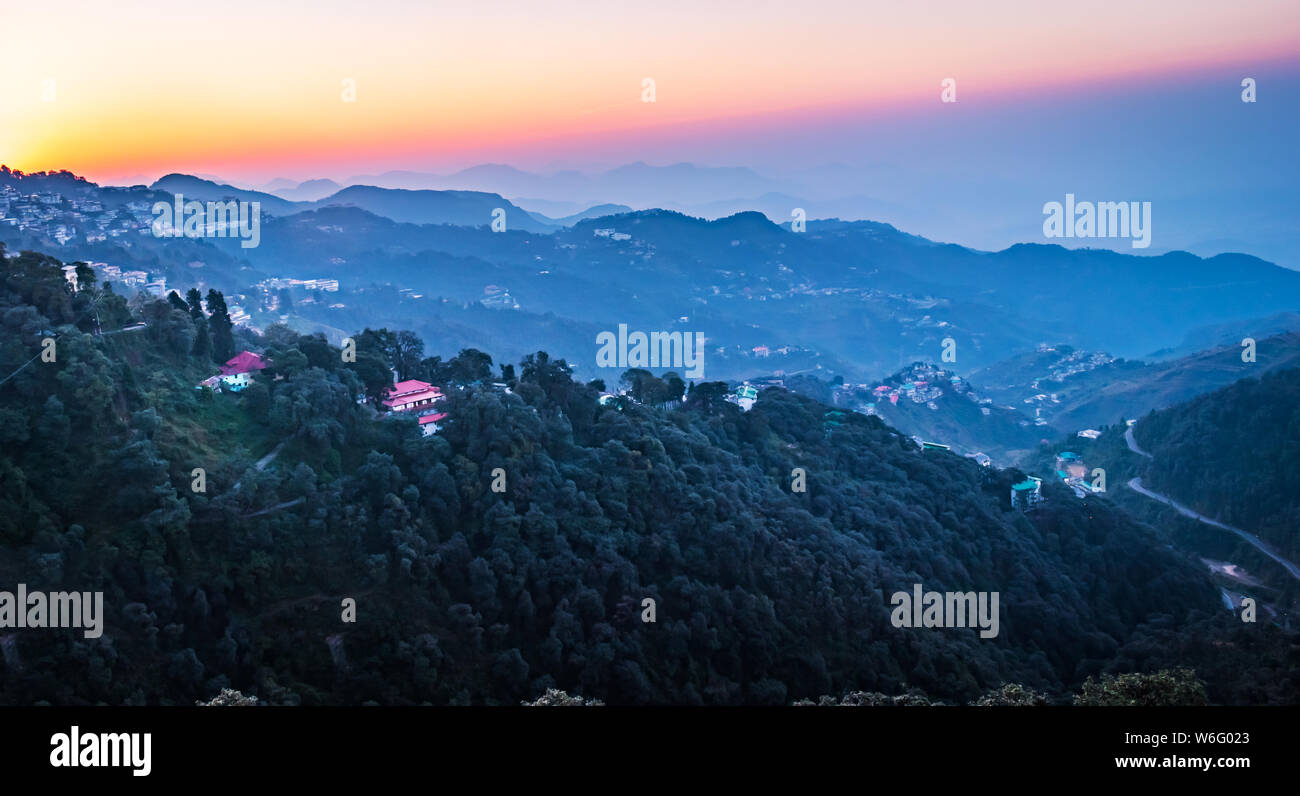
373 373
194 299
471 365
85 277
675 388
554 697
871 699
221 327
639 383
708 396
401 350
177 302
202 340
407 350
553 376
169 326
112 309
227 698
1165 688
1012 694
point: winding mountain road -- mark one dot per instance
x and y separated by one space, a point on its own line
1136 485
1132 443
261 463
276 507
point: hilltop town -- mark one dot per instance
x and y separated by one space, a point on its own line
85 215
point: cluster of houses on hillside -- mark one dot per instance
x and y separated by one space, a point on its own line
105 273
498 298
1071 469
763 351
1072 472
279 283
61 219
157 286
411 397
1072 362
920 384
1040 400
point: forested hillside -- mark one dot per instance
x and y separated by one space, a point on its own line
469 595
1231 454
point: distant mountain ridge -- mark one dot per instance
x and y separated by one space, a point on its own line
309 191
852 298
199 189
463 208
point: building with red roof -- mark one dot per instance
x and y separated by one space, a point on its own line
238 370
429 423
412 395
243 362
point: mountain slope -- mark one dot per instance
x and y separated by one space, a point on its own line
309 191
198 189
1096 390
1228 454
462 208
763 594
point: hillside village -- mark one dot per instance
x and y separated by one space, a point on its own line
920 383
922 387
1037 381
66 218
410 398
270 296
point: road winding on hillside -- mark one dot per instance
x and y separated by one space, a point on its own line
1132 443
1136 485
261 463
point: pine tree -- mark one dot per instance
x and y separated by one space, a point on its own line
221 327
195 300
202 339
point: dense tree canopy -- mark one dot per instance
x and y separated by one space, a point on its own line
1228 454
469 594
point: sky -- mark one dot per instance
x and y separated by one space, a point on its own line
1123 96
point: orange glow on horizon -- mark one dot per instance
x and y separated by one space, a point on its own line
145 95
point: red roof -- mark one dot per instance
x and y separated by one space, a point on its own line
410 385
432 418
243 362
409 392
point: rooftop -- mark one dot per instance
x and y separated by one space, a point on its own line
243 362
408 386
411 391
